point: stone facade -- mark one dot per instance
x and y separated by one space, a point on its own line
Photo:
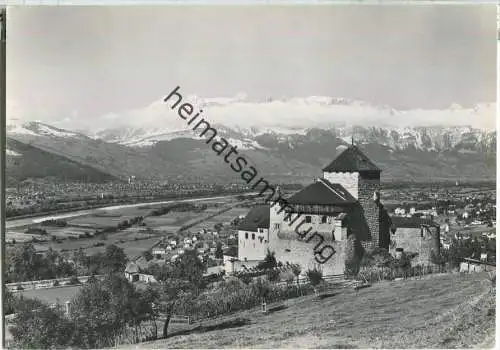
423 240
368 186
290 247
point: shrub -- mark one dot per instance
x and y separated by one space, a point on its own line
315 276
56 283
74 281
245 278
19 287
273 275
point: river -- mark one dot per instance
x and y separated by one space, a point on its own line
35 220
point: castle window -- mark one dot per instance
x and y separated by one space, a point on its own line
308 219
276 226
246 235
323 219
253 236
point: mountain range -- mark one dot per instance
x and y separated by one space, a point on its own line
154 143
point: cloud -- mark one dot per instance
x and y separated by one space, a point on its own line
299 113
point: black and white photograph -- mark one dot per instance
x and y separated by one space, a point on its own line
208 175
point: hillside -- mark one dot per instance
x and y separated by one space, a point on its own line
25 161
446 311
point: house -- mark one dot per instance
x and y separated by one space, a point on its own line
158 251
323 222
472 265
132 272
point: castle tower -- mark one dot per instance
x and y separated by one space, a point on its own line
361 177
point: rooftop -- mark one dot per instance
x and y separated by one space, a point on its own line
258 217
351 160
322 192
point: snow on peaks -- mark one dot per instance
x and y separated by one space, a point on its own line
39 129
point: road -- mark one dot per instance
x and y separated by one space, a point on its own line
29 221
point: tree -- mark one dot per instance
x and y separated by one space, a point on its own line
41 328
9 301
379 257
102 309
25 264
269 261
179 283
261 288
115 259
296 269
219 254
273 275
188 267
315 277
147 255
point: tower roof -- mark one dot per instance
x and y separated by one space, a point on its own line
351 160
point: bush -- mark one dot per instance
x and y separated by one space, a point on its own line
273 275
74 281
56 283
19 287
315 276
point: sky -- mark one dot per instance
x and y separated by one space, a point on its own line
87 62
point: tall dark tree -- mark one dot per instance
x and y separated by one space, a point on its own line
115 259
219 254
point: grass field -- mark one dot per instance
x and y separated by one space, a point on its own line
446 311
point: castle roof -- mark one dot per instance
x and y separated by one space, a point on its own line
322 192
351 160
258 217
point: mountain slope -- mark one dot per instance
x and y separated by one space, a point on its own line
25 161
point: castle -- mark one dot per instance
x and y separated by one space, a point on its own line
342 208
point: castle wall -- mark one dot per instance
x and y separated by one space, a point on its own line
411 240
350 181
288 247
297 252
253 249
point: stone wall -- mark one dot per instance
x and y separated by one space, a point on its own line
350 181
411 240
371 211
297 252
289 247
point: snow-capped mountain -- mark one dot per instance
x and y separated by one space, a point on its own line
244 121
293 137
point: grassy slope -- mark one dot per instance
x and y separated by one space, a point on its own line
37 163
437 312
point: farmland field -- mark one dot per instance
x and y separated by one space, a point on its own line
51 295
443 311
